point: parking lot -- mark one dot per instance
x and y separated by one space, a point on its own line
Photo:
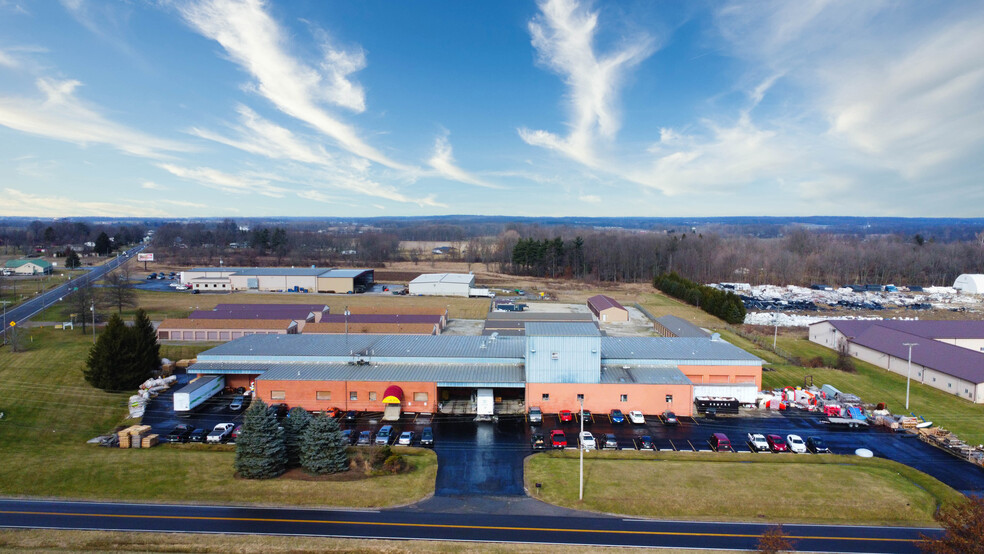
486 458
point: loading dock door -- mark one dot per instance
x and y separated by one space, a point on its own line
485 402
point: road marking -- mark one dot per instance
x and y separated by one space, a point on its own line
694 419
446 526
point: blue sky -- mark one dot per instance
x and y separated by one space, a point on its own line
337 108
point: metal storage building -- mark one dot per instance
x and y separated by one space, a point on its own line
29 267
443 284
222 329
279 279
970 283
607 309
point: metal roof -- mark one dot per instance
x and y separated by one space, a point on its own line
343 348
460 278
345 273
538 316
678 350
887 337
209 324
451 374
264 307
36 261
561 329
382 318
681 327
287 271
601 302
644 375
280 313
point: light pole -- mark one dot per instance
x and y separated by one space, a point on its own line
908 372
92 308
580 442
775 335
5 302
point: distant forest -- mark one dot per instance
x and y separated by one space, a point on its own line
829 250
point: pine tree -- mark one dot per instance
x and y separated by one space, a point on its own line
148 351
322 449
260 451
110 353
297 420
103 245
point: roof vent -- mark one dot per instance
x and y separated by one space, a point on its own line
625 367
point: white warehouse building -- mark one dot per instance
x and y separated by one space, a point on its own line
970 283
443 284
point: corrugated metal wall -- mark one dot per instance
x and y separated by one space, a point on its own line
563 359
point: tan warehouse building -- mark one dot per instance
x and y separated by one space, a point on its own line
279 279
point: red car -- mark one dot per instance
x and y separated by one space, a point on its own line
566 416
558 439
776 443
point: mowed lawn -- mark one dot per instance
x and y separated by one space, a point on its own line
829 489
50 411
162 305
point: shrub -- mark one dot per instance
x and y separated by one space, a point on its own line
397 463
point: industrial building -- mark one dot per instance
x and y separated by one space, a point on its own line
552 366
278 279
443 284
673 326
947 355
303 314
215 330
514 323
28 267
397 324
607 309
970 283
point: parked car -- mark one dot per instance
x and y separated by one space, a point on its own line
586 417
670 418
617 416
566 416
817 446
636 417
235 433
776 443
558 439
406 438
220 433
237 403
347 436
720 442
181 433
588 441
198 435
537 442
280 410
611 442
757 442
385 435
351 415
796 444
646 443
152 276
427 437
536 416
365 437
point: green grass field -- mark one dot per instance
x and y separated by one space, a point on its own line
50 411
830 489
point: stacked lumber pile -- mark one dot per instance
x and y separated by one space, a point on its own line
134 436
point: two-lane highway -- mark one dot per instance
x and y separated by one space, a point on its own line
28 309
415 525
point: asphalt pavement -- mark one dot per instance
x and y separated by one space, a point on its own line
423 525
28 309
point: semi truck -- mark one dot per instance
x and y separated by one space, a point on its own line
198 391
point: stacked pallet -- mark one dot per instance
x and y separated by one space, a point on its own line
149 441
132 436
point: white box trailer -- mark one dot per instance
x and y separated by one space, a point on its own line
486 293
199 390
485 402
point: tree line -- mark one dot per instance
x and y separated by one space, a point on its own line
722 304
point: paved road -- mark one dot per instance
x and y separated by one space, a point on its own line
28 309
417 525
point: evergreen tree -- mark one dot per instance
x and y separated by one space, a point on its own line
260 451
72 260
110 353
322 449
297 420
148 350
103 245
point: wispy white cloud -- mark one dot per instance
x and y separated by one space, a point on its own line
443 162
590 198
106 20
316 196
564 34
227 182
256 43
19 203
183 203
58 114
150 185
6 60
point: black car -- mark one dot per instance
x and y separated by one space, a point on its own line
280 410
347 436
427 437
537 442
181 433
198 435
817 446
351 415
586 416
646 443
609 442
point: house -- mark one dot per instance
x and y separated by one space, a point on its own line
32 266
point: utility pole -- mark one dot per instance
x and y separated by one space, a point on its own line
5 302
580 442
908 372
92 309
775 336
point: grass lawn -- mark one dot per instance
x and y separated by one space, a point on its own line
161 305
660 304
820 489
101 541
50 411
